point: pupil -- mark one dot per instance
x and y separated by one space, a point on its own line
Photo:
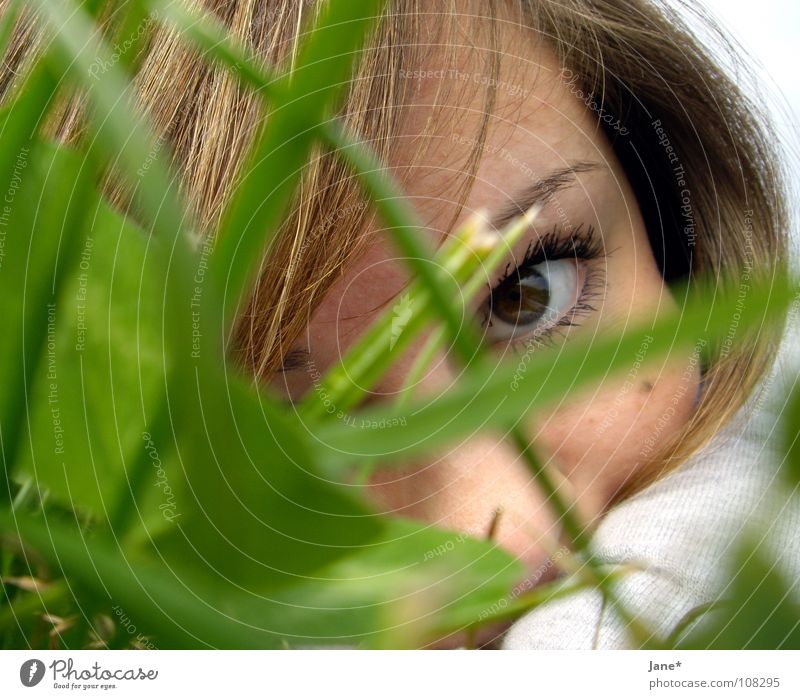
522 300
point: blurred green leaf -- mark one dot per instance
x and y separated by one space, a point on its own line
119 133
307 95
105 370
254 504
409 586
181 491
791 436
42 223
20 120
496 395
400 220
235 475
761 610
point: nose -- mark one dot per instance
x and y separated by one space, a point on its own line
478 486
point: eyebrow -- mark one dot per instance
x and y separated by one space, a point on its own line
542 191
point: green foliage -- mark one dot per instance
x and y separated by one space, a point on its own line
760 612
143 473
791 437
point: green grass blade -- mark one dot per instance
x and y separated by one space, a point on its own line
791 437
408 236
9 19
463 263
323 67
500 394
121 134
35 254
211 37
110 359
411 585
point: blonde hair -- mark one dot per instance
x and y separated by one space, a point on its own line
635 59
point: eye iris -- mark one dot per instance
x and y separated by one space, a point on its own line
523 300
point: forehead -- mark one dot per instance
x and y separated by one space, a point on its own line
507 116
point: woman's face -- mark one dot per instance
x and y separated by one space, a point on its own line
584 267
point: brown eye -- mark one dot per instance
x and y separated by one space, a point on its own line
521 299
533 298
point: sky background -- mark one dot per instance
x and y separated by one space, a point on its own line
769 31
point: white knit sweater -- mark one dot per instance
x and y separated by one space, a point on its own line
682 529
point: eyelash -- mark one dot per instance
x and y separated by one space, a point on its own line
581 245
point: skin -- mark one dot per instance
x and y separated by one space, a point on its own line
593 442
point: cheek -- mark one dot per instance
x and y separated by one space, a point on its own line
603 440
463 490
